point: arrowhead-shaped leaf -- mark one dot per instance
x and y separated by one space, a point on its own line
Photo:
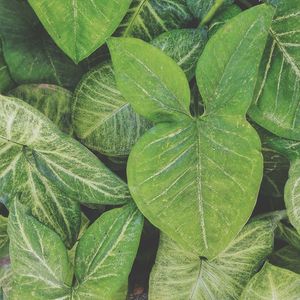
277 97
179 274
31 55
102 118
80 27
52 100
196 165
273 283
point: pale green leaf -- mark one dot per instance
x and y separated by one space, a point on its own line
53 101
276 100
150 80
103 120
287 257
146 19
105 254
273 283
4 241
80 27
29 52
197 165
289 234
184 46
39 259
181 275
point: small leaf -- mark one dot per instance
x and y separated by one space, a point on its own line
277 97
273 283
195 164
39 259
146 19
178 274
4 240
102 119
29 52
105 254
53 101
80 27
184 46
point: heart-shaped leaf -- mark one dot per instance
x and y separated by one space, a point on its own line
146 19
273 283
29 52
196 165
104 257
178 274
277 97
102 118
80 27
52 100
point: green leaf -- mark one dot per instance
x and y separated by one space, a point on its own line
102 268
6 81
276 100
4 241
178 274
196 163
39 259
29 52
273 283
200 8
184 46
146 19
287 233
102 119
78 27
53 101
287 257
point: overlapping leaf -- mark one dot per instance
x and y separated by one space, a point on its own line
193 164
40 263
276 100
102 118
50 169
53 101
29 52
273 283
181 275
80 27
146 19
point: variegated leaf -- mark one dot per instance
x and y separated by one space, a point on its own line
276 100
184 46
31 55
146 19
180 275
273 283
52 100
102 119
80 27
39 259
105 254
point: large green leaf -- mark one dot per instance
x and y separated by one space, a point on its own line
104 257
146 19
102 118
53 101
102 268
276 100
184 46
40 265
273 283
80 27
196 165
50 169
181 275
29 52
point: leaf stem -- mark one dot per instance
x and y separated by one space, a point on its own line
211 12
